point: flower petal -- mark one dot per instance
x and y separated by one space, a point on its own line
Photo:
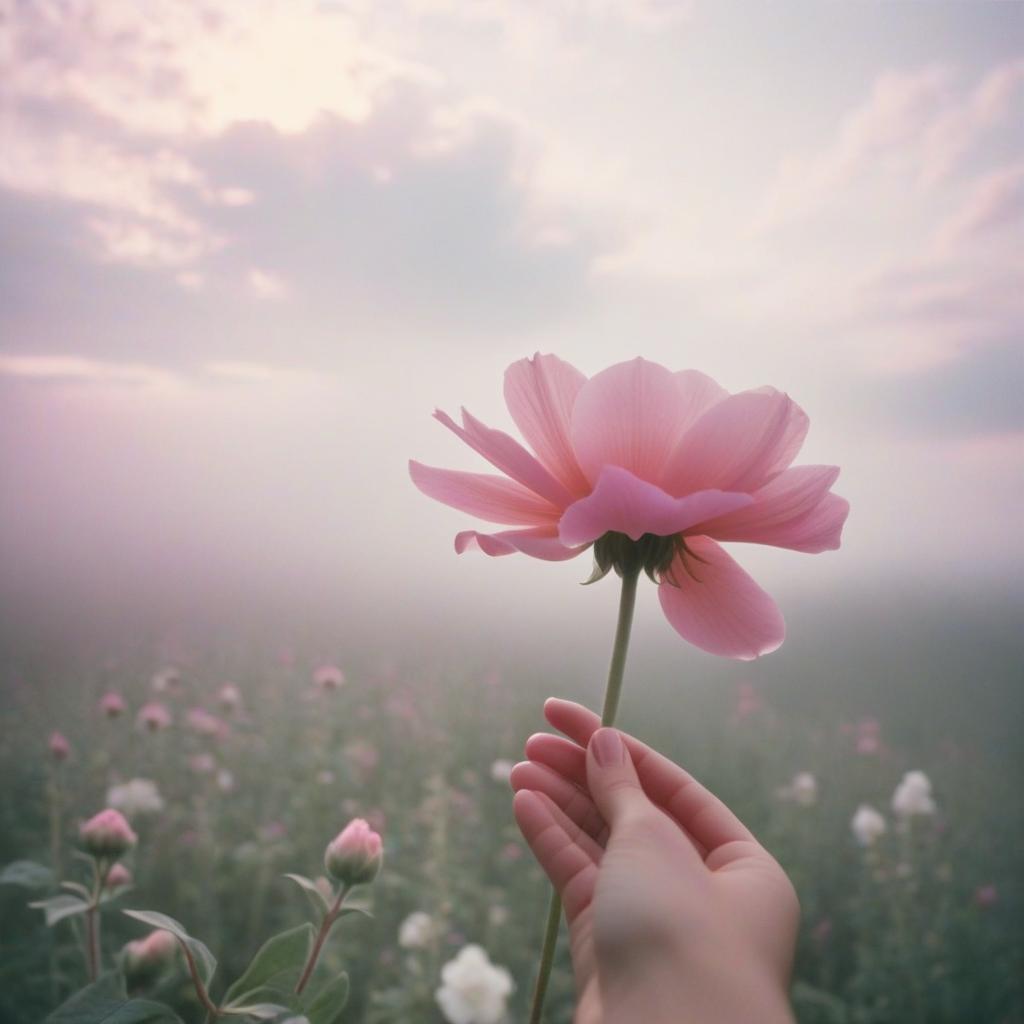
795 510
540 394
631 415
485 495
628 505
509 456
539 542
723 611
739 444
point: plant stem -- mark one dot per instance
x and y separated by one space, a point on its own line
613 690
91 943
92 919
212 1013
314 954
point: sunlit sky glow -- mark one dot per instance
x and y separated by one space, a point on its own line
248 246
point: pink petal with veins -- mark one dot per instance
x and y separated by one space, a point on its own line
721 611
739 444
509 456
540 394
625 504
540 542
633 415
484 495
795 510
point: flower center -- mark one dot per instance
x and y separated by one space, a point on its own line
651 553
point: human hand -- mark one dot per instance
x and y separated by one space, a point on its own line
675 911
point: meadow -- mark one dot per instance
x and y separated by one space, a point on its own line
919 923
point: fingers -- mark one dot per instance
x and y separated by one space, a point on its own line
612 779
567 855
573 801
698 811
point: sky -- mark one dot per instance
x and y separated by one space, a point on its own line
249 246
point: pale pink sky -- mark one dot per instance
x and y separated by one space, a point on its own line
249 246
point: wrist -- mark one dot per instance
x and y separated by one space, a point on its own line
709 987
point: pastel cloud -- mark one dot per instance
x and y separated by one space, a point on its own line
995 202
919 122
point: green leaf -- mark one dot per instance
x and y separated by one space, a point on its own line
261 1011
356 908
320 900
326 1007
26 873
205 960
115 894
76 887
104 1002
279 953
57 908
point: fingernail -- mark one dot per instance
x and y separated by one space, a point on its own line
607 747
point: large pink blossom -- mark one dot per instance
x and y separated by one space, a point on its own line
638 451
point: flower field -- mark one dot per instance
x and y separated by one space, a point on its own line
905 855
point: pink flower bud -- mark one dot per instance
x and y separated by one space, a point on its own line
986 896
329 677
230 697
143 959
107 835
153 717
59 746
117 877
112 705
354 856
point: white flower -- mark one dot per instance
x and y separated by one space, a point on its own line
137 796
802 790
225 781
913 796
473 990
867 825
416 930
501 770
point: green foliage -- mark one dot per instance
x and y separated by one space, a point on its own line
310 888
105 1002
57 908
281 956
206 962
28 874
327 1005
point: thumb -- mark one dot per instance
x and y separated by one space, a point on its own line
612 779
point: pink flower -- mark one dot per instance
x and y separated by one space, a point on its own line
362 755
117 877
107 835
354 856
112 705
869 739
202 722
143 959
153 717
748 702
60 749
649 467
230 697
329 677
986 896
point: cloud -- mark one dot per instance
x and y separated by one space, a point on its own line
976 397
267 178
895 114
919 123
995 202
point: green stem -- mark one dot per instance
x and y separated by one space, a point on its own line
613 690
314 954
100 869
